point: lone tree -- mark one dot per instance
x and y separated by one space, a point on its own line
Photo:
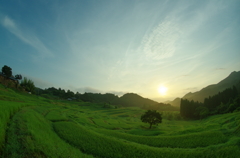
152 117
7 71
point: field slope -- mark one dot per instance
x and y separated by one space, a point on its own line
32 126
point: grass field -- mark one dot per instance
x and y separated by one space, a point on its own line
32 126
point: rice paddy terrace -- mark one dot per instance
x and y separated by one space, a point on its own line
32 126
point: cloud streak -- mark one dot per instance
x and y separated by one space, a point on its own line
161 43
26 37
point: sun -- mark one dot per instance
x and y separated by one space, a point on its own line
162 90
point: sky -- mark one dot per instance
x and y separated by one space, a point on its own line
121 46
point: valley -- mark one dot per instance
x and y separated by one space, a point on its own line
33 126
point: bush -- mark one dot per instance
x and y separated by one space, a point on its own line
28 85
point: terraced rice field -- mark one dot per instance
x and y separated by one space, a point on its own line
32 126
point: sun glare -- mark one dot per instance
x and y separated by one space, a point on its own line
162 90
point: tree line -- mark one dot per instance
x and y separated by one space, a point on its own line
59 93
127 100
223 102
25 84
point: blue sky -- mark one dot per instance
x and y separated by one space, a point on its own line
121 46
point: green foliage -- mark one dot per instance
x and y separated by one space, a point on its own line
28 85
55 116
7 109
110 100
105 146
133 100
109 106
171 115
212 102
223 102
31 135
202 112
232 80
161 107
18 76
32 126
152 117
177 141
7 71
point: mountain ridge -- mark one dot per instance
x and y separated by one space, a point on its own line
231 80
133 99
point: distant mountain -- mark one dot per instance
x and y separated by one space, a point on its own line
133 100
162 107
231 80
127 100
175 102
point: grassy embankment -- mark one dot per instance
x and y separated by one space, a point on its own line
33 126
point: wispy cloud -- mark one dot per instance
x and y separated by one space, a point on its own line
26 37
220 69
161 43
175 36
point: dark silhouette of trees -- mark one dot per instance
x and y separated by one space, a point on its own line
190 109
18 76
222 98
69 94
201 112
223 102
7 71
152 117
28 85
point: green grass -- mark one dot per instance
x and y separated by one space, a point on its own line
104 146
178 141
30 134
6 111
32 126
55 116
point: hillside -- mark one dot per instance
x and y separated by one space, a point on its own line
210 90
32 126
231 80
175 102
127 100
133 100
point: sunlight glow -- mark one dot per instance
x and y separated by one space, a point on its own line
162 90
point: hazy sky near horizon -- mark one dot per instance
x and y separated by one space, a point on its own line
121 46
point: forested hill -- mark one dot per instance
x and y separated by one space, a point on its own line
127 100
211 90
232 80
131 99
224 102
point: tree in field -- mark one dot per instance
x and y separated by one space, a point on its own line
152 117
7 71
